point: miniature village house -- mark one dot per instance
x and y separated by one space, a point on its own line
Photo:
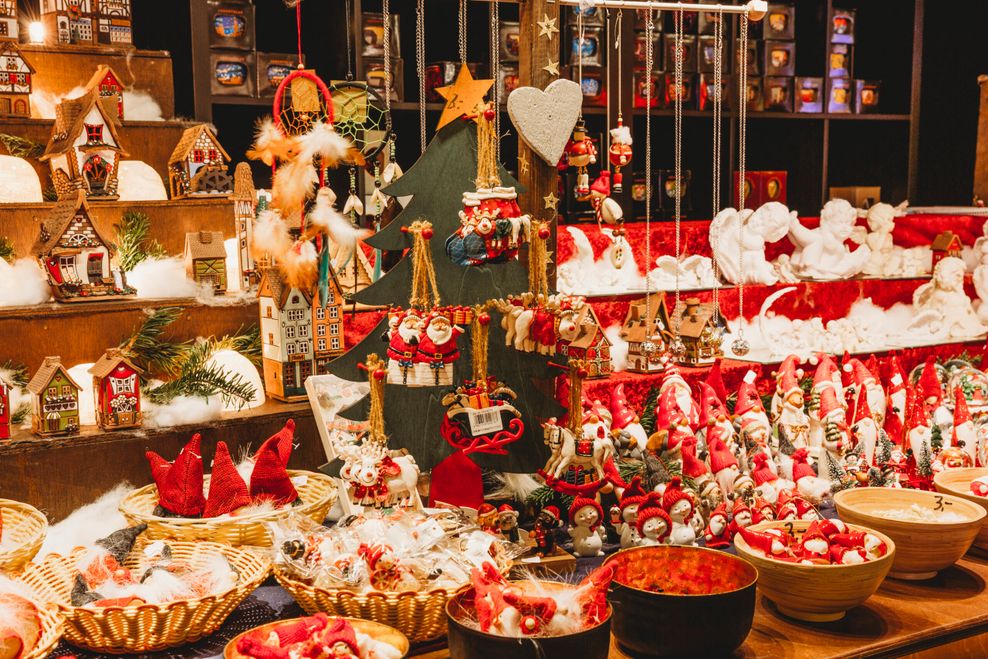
298 336
591 345
638 329
15 80
69 21
75 256
106 83
117 385
113 22
198 165
701 330
5 410
84 148
352 267
205 259
244 212
947 243
54 400
8 20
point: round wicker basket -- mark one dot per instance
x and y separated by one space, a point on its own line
51 632
147 627
24 529
421 616
317 493
376 630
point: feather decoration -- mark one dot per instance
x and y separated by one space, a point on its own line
324 143
299 265
292 185
323 276
271 234
271 145
354 205
326 219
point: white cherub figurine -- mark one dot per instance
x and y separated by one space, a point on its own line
980 277
768 224
679 506
942 307
821 253
884 260
586 530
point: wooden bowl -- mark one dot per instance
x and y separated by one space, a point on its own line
376 630
957 482
466 640
921 548
713 616
816 593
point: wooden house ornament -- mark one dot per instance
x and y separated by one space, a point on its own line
15 81
591 345
8 20
5 411
701 329
352 267
198 165
76 257
84 149
69 21
298 336
54 400
947 243
113 23
244 213
106 83
205 259
638 330
117 385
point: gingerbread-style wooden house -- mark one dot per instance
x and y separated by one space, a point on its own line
591 345
15 80
84 149
353 269
198 165
5 410
113 23
117 385
106 83
701 329
244 213
9 28
205 259
54 400
639 329
69 21
76 257
947 243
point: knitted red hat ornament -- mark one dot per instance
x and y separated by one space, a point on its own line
692 465
650 509
801 468
761 473
621 413
227 489
284 441
674 494
748 398
721 456
633 494
180 484
929 383
270 479
340 631
583 502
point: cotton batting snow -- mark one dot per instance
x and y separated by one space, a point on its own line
234 363
23 283
163 278
182 411
138 104
138 181
86 524
87 396
619 347
19 182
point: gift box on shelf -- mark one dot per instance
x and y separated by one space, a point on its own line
507 80
688 44
706 54
840 95
867 95
706 92
669 90
762 186
590 51
271 69
231 24
842 26
509 40
841 56
667 191
809 94
778 93
780 58
593 84
859 196
641 42
780 22
232 73
373 30
753 95
641 86
375 75
753 59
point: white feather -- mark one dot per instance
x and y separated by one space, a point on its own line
271 234
371 648
323 142
86 524
511 487
266 134
326 218
293 184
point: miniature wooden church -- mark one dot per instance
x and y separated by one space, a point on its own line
244 213
75 256
106 83
15 80
8 20
205 259
701 328
591 345
117 385
54 400
198 165
299 336
5 411
84 149
639 329
947 243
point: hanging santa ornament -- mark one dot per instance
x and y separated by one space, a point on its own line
619 154
580 153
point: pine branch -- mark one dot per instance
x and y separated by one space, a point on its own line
14 373
21 412
149 351
629 469
200 379
133 245
647 417
7 249
49 193
246 342
21 147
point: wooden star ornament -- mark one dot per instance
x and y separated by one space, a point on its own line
552 68
547 27
551 201
465 96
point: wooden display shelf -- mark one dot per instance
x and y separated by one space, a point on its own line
58 475
80 333
170 220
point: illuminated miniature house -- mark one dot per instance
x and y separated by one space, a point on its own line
54 400
205 259
701 328
8 20
15 81
106 83
117 385
198 165
638 330
591 345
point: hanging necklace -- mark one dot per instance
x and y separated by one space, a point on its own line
740 346
677 347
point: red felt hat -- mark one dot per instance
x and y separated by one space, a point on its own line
825 370
748 398
674 494
270 479
919 414
787 378
340 631
897 376
633 494
862 410
961 413
669 412
740 506
929 382
180 483
767 543
506 508
692 465
720 511
603 183
721 456
716 380
801 467
621 413
860 375
828 403
227 489
873 368
711 407
552 511
761 473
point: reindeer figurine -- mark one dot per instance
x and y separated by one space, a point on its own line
378 477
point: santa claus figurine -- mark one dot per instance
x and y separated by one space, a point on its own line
717 535
964 435
437 350
751 412
606 209
619 152
581 153
404 329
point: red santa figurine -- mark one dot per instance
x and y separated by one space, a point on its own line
580 153
437 350
404 329
620 152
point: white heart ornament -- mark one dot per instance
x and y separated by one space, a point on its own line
545 119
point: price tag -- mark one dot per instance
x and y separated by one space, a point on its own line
427 534
532 559
939 503
300 481
485 421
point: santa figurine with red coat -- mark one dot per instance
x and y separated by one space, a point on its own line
717 535
404 330
437 350
581 153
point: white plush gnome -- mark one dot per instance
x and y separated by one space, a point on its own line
865 430
964 435
787 403
864 382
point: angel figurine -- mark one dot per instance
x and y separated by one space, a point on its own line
980 277
884 259
821 253
942 308
768 224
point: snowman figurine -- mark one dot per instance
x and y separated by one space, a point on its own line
627 527
679 507
585 516
654 525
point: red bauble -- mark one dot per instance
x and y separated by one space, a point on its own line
380 374
489 114
583 373
484 318
544 233
427 234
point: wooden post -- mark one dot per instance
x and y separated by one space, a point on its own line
537 176
981 156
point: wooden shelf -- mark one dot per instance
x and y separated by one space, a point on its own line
241 100
819 116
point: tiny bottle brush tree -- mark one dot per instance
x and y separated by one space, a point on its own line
437 182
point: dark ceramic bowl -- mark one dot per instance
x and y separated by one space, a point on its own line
672 601
468 642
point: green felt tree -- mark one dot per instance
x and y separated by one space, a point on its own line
924 466
936 438
412 415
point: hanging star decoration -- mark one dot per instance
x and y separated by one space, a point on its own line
552 68
465 96
551 201
522 164
547 27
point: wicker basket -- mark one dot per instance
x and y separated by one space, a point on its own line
24 528
318 494
147 627
421 616
51 632
375 630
